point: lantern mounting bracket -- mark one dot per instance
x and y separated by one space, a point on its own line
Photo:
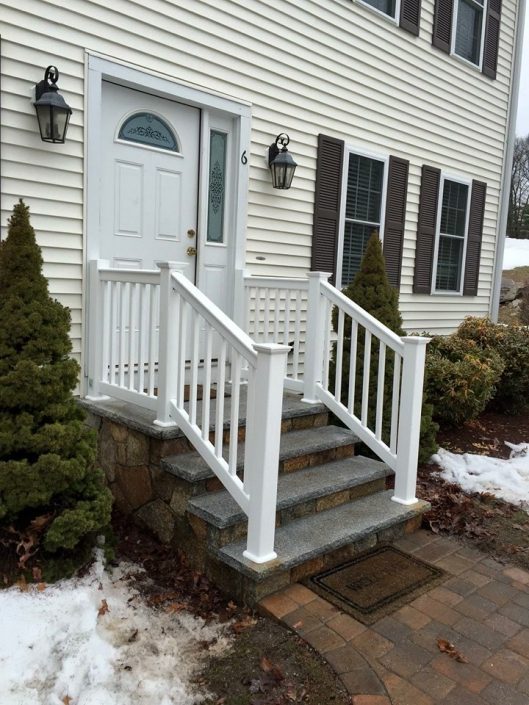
284 140
48 83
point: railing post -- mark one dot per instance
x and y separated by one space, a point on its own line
168 343
95 325
315 335
410 409
239 298
263 434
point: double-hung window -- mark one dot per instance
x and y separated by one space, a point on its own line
386 7
452 232
363 207
469 23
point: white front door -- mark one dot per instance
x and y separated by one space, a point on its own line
149 180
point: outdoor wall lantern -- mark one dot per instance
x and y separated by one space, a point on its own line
53 112
281 164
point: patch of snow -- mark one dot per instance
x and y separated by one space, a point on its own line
505 479
54 646
516 253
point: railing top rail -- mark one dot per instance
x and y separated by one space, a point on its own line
216 317
132 276
387 336
276 282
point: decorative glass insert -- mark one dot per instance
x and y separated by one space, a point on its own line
365 181
149 129
385 6
469 29
451 236
217 185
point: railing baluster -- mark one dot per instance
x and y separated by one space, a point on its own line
194 362
107 330
297 335
132 333
234 411
339 357
142 338
267 316
380 390
286 330
182 353
352 368
114 332
206 389
219 406
152 340
365 384
277 302
395 402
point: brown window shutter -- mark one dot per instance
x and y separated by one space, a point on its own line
410 15
327 200
475 232
395 219
426 225
442 25
492 37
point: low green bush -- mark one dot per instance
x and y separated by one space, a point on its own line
511 344
460 378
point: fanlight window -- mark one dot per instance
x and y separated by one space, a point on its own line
149 129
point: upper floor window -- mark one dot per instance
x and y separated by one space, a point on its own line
387 7
469 30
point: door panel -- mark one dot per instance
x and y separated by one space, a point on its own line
149 178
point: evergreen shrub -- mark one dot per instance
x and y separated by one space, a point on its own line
372 291
461 378
49 487
511 344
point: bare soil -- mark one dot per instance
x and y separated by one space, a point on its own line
494 526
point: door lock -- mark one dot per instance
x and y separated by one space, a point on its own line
191 233
191 251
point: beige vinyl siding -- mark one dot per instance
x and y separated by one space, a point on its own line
307 67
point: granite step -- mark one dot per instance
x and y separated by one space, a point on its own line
365 522
306 491
299 449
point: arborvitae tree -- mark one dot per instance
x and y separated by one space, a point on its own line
47 476
372 290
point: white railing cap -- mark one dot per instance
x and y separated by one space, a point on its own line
271 348
177 266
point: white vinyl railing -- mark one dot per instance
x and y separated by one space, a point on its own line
275 311
383 405
174 351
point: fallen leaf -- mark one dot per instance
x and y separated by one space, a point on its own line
103 609
175 607
245 623
447 647
22 584
67 700
297 625
270 668
41 587
37 574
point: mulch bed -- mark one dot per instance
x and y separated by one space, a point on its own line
492 525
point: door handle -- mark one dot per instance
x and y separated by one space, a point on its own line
191 251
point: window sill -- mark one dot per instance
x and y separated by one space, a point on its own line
466 62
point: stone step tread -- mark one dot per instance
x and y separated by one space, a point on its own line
318 534
192 467
221 510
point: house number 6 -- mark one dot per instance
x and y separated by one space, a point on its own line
244 158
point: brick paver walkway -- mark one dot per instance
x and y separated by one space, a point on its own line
483 609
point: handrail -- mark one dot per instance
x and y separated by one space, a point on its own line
364 318
217 318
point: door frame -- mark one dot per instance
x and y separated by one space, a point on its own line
99 68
